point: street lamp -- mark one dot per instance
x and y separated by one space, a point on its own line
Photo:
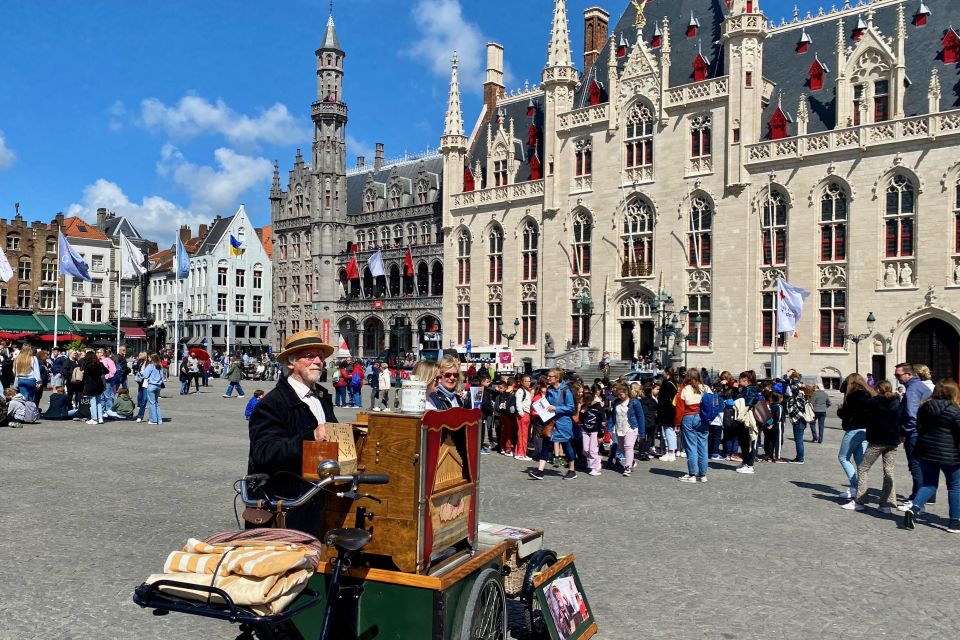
855 338
509 336
695 321
669 326
585 302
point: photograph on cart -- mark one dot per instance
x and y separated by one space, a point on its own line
561 597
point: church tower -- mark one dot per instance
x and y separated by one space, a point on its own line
329 114
559 80
453 144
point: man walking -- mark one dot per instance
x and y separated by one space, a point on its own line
915 393
234 376
374 381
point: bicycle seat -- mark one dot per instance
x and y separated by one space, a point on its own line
347 539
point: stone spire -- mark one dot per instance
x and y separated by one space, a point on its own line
330 40
933 93
558 51
275 187
803 115
454 122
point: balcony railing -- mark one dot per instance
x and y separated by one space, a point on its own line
636 269
499 195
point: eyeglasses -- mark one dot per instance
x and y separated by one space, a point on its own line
311 357
450 376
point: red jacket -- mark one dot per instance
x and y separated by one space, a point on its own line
684 409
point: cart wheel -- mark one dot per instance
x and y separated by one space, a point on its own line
485 612
538 562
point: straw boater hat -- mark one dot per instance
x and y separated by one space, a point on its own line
303 340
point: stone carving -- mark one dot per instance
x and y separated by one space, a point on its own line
463 295
529 293
581 286
768 278
906 275
956 274
699 281
833 277
548 348
495 294
890 276
930 297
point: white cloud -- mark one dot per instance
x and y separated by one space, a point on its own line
443 29
155 218
215 189
7 156
194 116
118 115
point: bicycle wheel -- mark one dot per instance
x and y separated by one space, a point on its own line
485 612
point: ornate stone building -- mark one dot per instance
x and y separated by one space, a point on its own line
649 203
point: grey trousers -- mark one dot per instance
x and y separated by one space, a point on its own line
889 454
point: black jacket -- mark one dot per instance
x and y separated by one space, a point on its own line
882 420
93 384
938 432
650 410
853 412
68 368
666 412
279 425
59 406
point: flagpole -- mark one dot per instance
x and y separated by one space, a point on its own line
774 368
119 292
56 306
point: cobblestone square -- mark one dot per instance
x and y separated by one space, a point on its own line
92 510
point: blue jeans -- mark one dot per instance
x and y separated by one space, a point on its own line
185 387
931 477
799 430
27 387
355 397
669 437
853 445
153 403
232 386
695 444
818 429
909 447
341 397
141 401
96 408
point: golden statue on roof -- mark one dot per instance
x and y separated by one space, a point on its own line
640 5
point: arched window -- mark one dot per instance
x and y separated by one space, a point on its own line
774 228
423 279
700 243
396 197
639 137
411 234
13 242
529 251
385 237
425 235
956 223
48 271
282 243
51 244
423 192
369 201
582 238
295 245
495 255
397 235
463 258
833 224
436 280
636 240
899 218
395 281
700 136
361 241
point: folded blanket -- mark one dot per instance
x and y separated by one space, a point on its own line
262 576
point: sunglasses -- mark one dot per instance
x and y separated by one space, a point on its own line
311 356
449 376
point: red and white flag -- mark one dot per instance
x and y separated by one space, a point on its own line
789 306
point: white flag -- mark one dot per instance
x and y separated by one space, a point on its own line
375 262
6 271
131 259
789 305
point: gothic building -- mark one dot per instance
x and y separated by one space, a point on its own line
328 216
648 204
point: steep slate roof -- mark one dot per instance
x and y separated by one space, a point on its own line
515 108
116 225
788 69
406 170
74 227
220 226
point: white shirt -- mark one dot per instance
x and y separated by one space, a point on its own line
311 401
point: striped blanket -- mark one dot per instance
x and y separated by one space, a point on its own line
263 576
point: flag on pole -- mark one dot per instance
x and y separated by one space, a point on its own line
344 351
183 261
6 271
236 247
408 263
71 263
353 271
131 259
789 305
375 262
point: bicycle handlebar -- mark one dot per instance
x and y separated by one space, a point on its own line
316 487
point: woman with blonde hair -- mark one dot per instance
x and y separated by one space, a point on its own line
27 369
853 420
695 433
446 384
923 372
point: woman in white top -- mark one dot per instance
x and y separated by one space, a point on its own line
384 386
27 369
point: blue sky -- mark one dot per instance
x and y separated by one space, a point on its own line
172 111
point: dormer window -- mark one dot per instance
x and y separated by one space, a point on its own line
857 101
693 26
468 184
594 92
532 136
749 6
951 47
803 45
921 16
423 191
816 73
396 197
622 46
657 38
778 124
534 167
881 101
860 29
531 108
700 67
499 173
369 201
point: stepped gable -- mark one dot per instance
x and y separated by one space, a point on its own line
710 14
408 170
786 68
515 108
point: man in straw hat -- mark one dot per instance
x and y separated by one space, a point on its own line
294 411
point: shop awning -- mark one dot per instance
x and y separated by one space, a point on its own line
20 323
96 329
64 324
133 333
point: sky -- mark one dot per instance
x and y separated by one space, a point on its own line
172 111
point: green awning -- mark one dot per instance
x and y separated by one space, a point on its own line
20 323
96 329
64 324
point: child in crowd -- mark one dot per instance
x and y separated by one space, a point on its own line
122 407
60 408
592 419
773 435
648 401
252 403
19 409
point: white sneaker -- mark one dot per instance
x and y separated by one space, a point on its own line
852 506
683 454
744 469
847 495
91 422
139 419
905 506
687 478
100 421
595 472
701 478
668 457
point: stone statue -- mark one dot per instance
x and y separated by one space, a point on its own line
548 344
890 276
906 275
956 274
636 338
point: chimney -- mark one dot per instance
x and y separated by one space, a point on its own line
595 23
360 162
184 233
378 158
101 218
203 231
493 87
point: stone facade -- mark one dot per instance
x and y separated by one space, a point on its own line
660 184
31 250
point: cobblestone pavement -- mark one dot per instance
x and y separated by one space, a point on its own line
92 510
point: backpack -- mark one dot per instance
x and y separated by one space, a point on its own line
507 403
31 412
336 375
761 413
77 375
729 416
356 381
711 405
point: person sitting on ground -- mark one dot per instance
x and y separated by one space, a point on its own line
122 408
252 403
60 407
20 411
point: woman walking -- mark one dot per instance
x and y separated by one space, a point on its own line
592 417
94 385
821 402
695 433
745 425
853 419
561 404
628 424
153 379
138 368
938 449
27 369
883 438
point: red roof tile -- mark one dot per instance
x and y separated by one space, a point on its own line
74 227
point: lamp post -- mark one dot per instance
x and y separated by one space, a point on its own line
691 336
855 338
509 336
670 323
585 302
